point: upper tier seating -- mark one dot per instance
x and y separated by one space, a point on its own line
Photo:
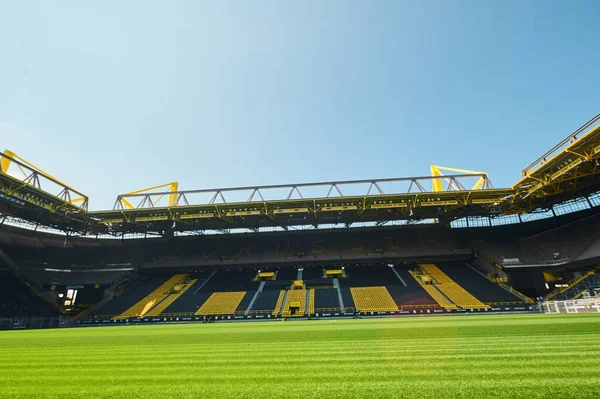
572 241
232 280
368 276
75 277
286 274
312 273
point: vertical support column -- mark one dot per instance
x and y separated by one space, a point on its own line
397 275
336 284
256 294
204 283
299 275
285 295
307 303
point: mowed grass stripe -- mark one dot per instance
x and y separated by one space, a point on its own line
507 349
342 358
474 368
481 356
300 347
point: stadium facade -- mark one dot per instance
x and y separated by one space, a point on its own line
444 243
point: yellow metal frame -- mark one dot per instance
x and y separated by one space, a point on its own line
574 164
170 187
437 185
9 158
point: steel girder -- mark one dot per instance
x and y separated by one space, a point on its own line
286 192
571 166
569 170
24 174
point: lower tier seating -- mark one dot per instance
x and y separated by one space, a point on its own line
169 299
147 303
373 299
265 301
411 296
295 296
130 297
279 303
220 303
327 299
311 302
187 303
245 302
442 300
454 292
347 298
478 285
586 283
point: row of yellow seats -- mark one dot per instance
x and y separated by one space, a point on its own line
279 303
295 296
373 299
452 290
221 303
148 302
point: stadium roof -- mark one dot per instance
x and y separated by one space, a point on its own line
569 170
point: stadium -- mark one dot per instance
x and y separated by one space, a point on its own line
308 200
173 283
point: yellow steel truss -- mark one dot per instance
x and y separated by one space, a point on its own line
170 188
21 173
437 185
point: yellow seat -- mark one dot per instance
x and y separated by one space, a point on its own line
295 296
144 306
373 299
220 303
457 294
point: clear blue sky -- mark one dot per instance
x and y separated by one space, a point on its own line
114 96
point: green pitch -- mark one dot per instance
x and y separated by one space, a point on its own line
500 356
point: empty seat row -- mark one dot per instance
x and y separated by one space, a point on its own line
373 299
221 303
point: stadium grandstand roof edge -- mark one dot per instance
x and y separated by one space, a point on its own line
569 170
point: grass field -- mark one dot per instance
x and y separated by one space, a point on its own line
500 356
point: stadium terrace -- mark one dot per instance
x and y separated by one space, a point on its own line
444 243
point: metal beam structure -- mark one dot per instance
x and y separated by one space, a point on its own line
29 175
571 166
29 193
483 182
122 202
334 202
286 192
569 170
